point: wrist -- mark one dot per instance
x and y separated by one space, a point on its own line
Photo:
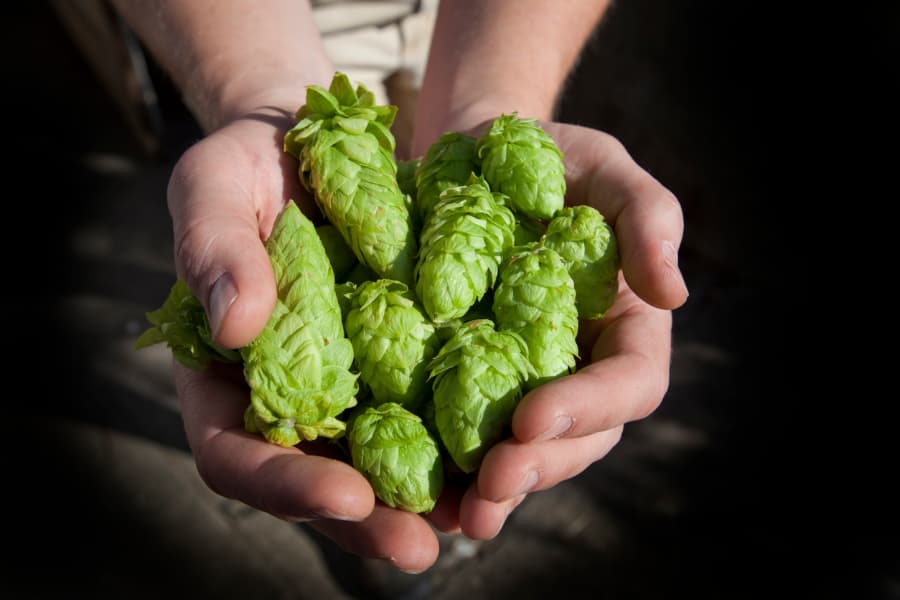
275 94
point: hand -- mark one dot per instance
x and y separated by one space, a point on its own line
562 427
224 195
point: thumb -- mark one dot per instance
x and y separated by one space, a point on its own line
219 253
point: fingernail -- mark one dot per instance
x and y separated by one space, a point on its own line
528 482
222 295
327 514
561 425
670 256
393 561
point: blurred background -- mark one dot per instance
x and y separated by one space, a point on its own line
713 496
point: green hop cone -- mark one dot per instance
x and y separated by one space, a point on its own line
478 376
588 246
520 160
393 341
345 148
298 368
339 107
182 325
392 448
448 163
536 299
462 244
298 386
353 178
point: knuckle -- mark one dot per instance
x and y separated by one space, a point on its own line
195 242
658 387
207 474
669 201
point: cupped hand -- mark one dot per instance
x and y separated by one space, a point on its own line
564 426
224 196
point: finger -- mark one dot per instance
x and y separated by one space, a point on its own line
218 250
512 468
281 481
482 519
626 380
402 538
445 516
647 217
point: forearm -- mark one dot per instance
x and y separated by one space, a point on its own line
512 55
230 58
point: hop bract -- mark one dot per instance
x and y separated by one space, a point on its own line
182 324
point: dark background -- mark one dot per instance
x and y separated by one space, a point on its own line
779 493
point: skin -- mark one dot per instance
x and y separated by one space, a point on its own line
243 67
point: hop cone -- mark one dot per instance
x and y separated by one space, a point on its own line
393 341
392 448
536 299
298 386
182 324
298 368
520 160
339 107
588 246
478 377
345 146
354 184
448 163
462 244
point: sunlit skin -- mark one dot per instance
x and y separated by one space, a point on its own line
238 65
